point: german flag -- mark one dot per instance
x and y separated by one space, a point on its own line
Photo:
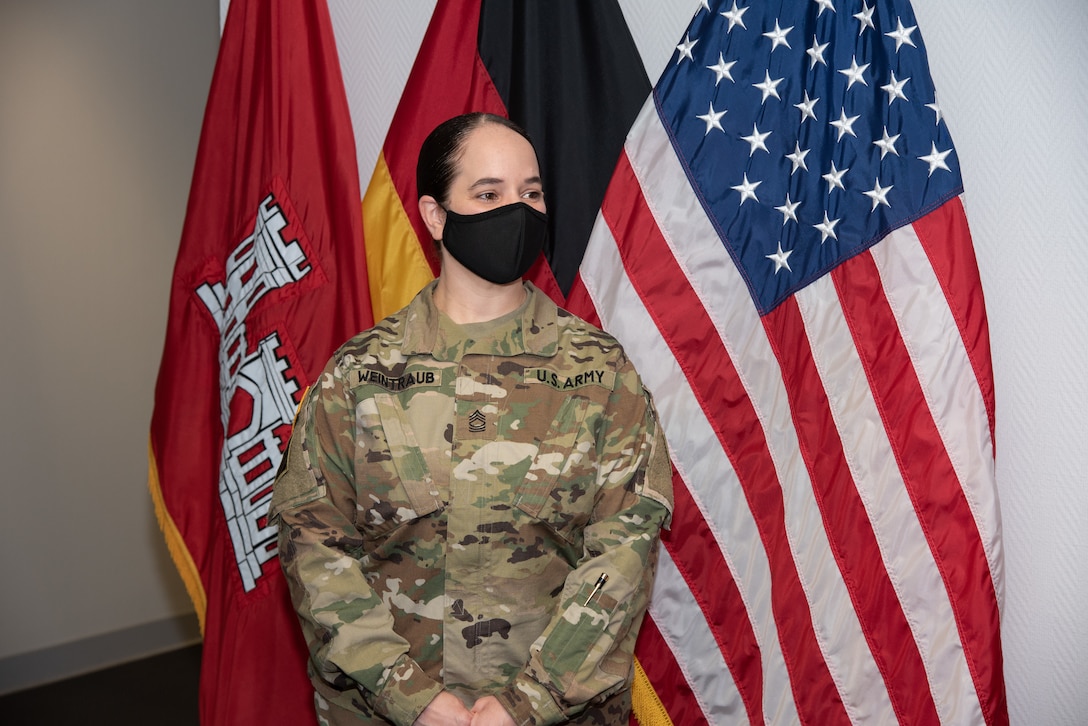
566 71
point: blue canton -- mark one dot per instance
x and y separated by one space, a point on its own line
810 130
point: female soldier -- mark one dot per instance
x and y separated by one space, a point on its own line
470 503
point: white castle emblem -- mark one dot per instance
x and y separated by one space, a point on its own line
261 263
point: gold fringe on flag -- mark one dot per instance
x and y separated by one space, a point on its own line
645 703
183 561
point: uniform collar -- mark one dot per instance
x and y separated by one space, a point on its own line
536 329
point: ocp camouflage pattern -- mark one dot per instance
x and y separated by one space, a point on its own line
449 498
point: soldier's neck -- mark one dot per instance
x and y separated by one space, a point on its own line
466 298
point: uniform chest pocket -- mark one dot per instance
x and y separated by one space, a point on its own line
394 484
561 484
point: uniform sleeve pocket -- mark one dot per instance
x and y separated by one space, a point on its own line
295 483
579 640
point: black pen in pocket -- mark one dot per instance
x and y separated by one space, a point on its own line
596 588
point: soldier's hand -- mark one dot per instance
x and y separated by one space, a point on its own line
445 710
489 712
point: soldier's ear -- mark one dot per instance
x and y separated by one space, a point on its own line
434 216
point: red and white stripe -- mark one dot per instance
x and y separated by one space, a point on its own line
834 464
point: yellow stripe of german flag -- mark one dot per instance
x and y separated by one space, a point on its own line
396 265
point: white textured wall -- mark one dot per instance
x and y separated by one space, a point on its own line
100 107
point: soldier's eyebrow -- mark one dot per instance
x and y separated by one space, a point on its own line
490 180
486 181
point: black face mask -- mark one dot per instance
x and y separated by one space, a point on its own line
499 245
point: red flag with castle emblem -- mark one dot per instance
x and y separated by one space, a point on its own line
270 278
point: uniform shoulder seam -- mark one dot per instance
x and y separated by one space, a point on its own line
388 331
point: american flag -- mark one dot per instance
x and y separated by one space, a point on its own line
784 253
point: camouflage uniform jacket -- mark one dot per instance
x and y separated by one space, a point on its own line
450 499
